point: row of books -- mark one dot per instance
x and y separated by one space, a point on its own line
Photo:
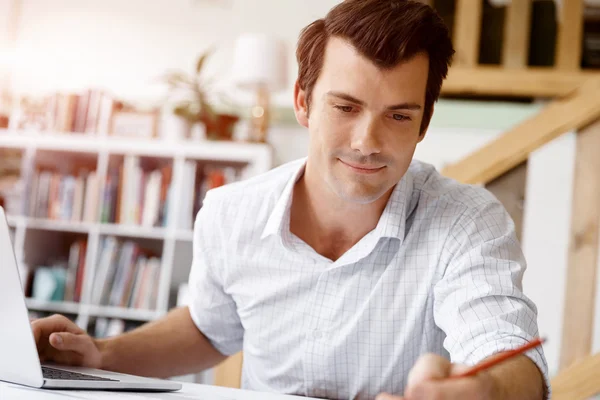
132 194
10 179
201 178
137 196
87 112
126 275
64 197
61 280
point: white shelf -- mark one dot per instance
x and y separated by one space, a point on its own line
13 221
93 310
227 151
52 306
132 231
133 314
57 225
136 231
185 235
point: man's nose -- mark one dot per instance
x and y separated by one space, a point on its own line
365 138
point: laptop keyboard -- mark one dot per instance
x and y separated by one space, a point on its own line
52 373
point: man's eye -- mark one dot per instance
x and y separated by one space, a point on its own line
400 117
345 109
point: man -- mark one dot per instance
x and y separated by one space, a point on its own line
340 274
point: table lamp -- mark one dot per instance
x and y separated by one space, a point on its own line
259 66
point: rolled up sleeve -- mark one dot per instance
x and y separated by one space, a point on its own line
212 309
479 303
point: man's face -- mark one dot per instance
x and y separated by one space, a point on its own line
364 123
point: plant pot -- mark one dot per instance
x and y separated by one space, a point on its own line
3 121
221 127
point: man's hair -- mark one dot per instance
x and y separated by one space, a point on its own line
387 32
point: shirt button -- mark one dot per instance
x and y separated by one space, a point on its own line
317 334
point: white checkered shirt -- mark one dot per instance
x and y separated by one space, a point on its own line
440 273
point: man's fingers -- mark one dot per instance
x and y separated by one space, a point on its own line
65 341
54 323
67 358
462 388
81 345
439 390
429 366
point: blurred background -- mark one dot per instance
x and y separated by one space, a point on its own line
116 117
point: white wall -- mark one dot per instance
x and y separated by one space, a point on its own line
124 45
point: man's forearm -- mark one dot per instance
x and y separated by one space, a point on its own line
171 346
518 378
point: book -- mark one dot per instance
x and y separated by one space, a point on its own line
91 198
81 112
58 280
63 197
126 276
72 266
152 194
79 275
105 270
78 198
137 196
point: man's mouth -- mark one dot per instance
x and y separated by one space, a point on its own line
362 168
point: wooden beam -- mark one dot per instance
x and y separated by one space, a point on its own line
579 382
570 33
513 147
578 323
229 372
529 82
510 190
467 32
515 49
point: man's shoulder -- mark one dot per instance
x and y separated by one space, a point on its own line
432 188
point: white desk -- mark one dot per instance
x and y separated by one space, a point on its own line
190 391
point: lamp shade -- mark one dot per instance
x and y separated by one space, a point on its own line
259 60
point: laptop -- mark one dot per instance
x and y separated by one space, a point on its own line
19 361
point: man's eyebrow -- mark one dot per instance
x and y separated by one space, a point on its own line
347 97
404 106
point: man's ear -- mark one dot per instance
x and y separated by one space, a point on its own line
300 105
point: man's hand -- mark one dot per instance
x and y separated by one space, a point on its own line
427 380
59 340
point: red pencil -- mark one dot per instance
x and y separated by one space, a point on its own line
498 359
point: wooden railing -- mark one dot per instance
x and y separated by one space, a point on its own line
513 77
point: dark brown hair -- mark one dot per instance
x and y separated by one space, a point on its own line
387 32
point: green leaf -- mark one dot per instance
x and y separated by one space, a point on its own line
184 111
201 60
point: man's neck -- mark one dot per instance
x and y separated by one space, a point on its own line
327 223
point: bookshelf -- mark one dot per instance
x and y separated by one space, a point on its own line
38 238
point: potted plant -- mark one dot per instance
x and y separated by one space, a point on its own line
194 107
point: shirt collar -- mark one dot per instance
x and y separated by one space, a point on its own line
392 222
279 220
